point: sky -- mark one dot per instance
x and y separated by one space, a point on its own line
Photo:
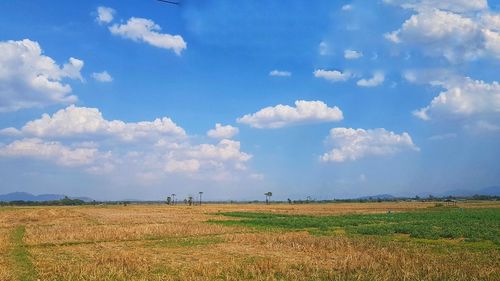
126 99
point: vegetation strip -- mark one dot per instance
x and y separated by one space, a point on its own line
19 255
471 225
147 239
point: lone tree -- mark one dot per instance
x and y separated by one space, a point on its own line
200 193
268 195
190 200
169 200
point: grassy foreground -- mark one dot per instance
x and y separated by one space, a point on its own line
415 241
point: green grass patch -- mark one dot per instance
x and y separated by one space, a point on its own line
185 242
468 225
19 255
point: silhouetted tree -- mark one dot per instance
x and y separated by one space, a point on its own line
268 195
200 193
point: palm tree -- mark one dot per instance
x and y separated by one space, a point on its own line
201 192
268 196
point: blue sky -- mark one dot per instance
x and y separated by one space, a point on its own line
329 99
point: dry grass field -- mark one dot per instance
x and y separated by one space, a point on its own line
159 242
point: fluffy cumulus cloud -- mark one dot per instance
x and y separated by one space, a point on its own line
213 160
377 79
353 144
285 115
145 30
102 76
224 150
457 30
280 73
105 15
82 137
30 79
352 54
223 132
491 20
462 98
332 75
52 150
182 166
76 121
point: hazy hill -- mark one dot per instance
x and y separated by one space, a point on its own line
24 196
376 197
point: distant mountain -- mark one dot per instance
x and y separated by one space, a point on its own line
490 191
83 198
376 197
24 196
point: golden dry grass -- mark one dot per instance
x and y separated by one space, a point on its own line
154 242
5 266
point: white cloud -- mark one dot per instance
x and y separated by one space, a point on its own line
215 161
30 79
484 125
223 132
459 6
54 151
442 137
284 115
102 76
347 7
352 144
332 75
491 20
76 121
182 166
377 79
323 48
205 161
72 69
145 30
463 98
159 149
352 54
224 150
280 73
448 29
105 15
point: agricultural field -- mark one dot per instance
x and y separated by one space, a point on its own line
342 241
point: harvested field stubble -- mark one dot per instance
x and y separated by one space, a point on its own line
154 242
